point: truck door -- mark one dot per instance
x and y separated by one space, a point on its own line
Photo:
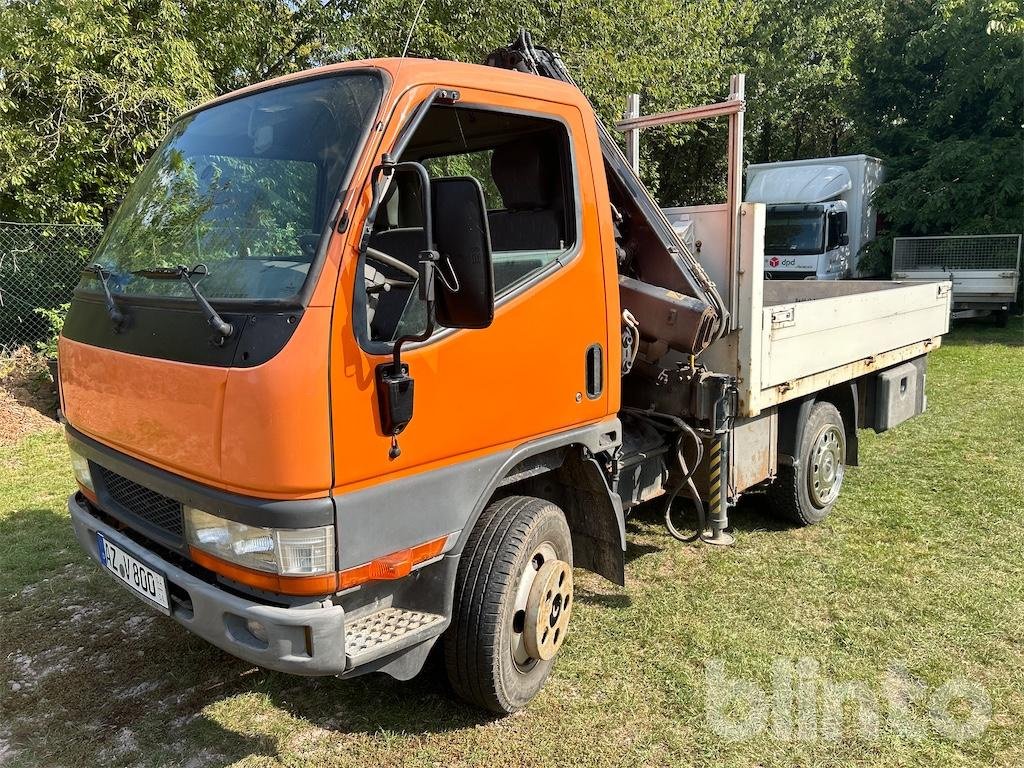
542 366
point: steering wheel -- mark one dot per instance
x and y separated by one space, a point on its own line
372 254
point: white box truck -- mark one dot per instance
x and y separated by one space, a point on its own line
820 214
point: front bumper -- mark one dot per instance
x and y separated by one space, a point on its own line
300 641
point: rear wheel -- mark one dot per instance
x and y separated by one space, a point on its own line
806 491
1001 317
513 599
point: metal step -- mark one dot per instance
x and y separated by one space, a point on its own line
378 634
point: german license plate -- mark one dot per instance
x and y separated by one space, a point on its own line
140 578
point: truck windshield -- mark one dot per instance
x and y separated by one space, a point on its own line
794 232
243 187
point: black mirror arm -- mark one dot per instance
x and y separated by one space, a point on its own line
395 386
428 257
428 270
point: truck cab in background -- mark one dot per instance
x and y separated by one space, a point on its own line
819 214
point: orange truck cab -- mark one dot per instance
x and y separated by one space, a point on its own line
347 374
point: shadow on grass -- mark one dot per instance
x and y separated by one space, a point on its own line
750 515
983 330
613 600
88 674
753 514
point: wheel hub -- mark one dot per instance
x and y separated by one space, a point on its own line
547 610
825 473
543 605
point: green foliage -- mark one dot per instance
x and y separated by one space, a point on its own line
939 98
87 87
55 320
800 59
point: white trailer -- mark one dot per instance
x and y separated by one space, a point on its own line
984 269
820 215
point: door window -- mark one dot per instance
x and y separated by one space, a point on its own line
523 165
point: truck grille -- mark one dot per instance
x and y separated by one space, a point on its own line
154 508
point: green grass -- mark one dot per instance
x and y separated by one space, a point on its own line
920 567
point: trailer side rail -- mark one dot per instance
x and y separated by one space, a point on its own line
949 253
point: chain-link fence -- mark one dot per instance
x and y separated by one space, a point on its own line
39 267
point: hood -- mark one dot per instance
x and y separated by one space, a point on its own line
260 431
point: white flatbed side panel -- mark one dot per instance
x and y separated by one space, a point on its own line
809 331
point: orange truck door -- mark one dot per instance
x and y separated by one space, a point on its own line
526 376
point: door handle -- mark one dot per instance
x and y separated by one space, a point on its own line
595 371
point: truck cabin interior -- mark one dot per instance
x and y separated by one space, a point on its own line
522 164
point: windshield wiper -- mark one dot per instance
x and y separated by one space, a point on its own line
117 317
223 328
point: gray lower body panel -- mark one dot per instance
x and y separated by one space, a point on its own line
310 640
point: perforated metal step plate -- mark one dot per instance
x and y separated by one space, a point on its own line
378 634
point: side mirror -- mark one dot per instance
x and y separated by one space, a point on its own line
464 285
844 239
456 279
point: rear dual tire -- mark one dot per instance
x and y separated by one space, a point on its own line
513 598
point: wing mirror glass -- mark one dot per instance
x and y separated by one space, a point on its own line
464 284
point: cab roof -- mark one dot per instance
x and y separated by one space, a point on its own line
404 73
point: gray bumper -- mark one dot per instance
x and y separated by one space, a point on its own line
300 641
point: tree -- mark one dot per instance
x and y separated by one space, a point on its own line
939 99
797 56
87 88
800 59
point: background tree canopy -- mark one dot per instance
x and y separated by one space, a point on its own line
939 94
87 87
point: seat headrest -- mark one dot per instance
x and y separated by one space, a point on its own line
526 172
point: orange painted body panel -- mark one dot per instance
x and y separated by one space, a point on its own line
267 431
260 431
163 412
524 376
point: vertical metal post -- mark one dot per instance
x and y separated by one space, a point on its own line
633 134
734 196
719 461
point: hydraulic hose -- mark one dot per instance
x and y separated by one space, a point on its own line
657 420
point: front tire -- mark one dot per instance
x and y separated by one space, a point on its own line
513 598
806 492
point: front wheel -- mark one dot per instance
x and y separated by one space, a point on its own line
806 490
513 599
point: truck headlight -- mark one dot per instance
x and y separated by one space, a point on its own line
281 551
80 466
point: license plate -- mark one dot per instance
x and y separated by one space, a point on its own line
140 578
